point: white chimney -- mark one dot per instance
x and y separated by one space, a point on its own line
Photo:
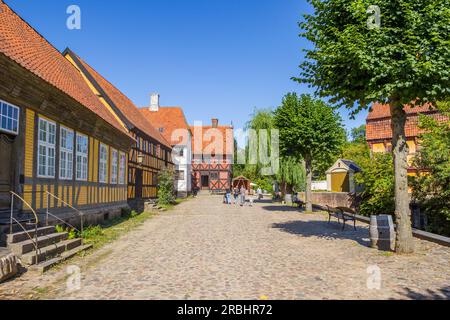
154 102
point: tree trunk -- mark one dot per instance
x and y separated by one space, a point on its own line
308 192
283 189
404 240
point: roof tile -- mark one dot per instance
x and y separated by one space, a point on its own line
125 105
168 119
24 45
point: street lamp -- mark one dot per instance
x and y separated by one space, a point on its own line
140 159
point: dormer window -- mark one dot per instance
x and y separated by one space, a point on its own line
161 130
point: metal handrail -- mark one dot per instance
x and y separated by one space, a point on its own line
23 200
36 223
28 234
81 214
65 222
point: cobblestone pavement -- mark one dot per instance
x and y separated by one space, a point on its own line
206 250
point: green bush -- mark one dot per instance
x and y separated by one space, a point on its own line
431 188
59 229
92 232
133 214
73 234
166 190
377 178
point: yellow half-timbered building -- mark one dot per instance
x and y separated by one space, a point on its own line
60 146
151 152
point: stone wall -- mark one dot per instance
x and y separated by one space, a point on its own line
8 265
332 199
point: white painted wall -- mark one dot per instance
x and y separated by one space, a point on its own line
319 185
184 163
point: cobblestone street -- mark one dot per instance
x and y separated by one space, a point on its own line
206 250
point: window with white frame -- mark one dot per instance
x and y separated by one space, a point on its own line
46 148
122 164
9 118
114 163
103 164
66 154
82 157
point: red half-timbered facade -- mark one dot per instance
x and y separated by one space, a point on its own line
213 152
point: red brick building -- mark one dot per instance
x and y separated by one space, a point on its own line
213 152
379 132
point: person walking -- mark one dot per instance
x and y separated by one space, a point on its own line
243 191
228 196
236 195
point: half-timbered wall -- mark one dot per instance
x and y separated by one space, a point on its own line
219 176
155 159
80 193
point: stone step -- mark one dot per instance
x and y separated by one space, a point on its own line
46 265
23 236
50 251
26 246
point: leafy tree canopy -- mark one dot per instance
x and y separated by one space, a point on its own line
359 134
431 188
308 128
406 58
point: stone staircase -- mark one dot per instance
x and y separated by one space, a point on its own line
52 247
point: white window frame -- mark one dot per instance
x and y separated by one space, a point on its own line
122 167
67 151
103 164
8 118
48 146
81 158
114 166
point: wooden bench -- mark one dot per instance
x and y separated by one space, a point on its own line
344 213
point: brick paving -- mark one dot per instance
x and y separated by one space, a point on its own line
206 250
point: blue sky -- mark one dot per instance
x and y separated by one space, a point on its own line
214 58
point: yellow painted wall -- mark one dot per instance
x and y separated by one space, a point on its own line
29 143
378 148
77 195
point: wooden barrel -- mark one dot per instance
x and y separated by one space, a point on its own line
382 232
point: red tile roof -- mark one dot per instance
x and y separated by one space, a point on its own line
24 45
128 109
209 140
168 119
379 121
380 111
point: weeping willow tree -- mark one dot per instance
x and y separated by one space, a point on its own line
261 121
291 173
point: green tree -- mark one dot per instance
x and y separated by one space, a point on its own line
359 134
309 130
405 58
377 178
431 188
261 119
291 175
166 187
357 152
